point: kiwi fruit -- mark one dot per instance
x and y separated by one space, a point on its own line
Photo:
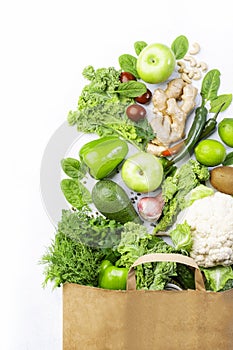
221 178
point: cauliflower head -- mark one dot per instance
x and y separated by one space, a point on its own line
211 222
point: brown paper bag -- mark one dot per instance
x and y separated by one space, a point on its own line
99 319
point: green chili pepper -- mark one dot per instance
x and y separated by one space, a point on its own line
103 155
112 277
210 125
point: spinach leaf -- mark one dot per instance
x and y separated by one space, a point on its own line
73 168
139 46
180 46
128 63
75 193
229 159
222 100
210 85
131 89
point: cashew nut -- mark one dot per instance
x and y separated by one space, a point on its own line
185 77
203 66
191 59
191 74
197 75
181 64
195 49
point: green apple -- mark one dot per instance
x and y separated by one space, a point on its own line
155 63
142 172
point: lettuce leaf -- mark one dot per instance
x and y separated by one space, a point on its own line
181 237
199 192
217 277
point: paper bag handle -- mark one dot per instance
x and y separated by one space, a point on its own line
160 257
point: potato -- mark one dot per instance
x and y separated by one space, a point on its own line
221 178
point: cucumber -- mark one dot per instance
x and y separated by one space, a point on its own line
112 201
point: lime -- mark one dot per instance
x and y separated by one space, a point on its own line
225 131
210 152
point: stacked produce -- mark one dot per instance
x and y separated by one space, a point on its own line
161 166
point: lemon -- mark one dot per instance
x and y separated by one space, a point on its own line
225 131
210 152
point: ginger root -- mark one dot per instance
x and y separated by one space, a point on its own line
171 108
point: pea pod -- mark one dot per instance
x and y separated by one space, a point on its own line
112 277
103 155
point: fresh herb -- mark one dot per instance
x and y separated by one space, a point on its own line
131 89
128 63
75 193
180 46
94 231
81 243
210 85
69 261
73 168
221 101
139 46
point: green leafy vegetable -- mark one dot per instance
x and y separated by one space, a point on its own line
181 237
75 193
69 261
128 63
73 168
101 109
81 242
90 230
180 46
198 192
176 187
185 277
221 100
131 89
135 242
229 159
217 277
139 46
210 85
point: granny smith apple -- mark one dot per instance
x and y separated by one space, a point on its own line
142 172
155 63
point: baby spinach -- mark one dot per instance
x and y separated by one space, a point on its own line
180 46
222 100
139 46
210 85
229 159
131 88
75 193
73 168
128 63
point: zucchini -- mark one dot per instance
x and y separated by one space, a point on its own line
112 201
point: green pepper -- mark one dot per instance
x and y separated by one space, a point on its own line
112 277
103 155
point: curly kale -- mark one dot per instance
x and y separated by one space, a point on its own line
101 109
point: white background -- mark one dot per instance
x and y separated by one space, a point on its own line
44 47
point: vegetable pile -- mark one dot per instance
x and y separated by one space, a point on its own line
152 175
